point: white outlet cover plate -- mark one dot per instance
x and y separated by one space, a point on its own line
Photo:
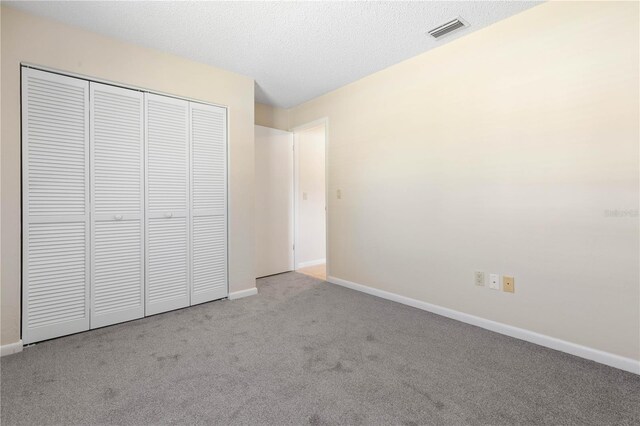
494 281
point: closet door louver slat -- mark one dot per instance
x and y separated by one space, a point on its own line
55 242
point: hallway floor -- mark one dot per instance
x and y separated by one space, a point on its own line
316 271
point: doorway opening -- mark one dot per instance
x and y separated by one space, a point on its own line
310 199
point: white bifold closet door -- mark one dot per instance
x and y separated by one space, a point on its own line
208 202
124 204
55 212
117 202
167 194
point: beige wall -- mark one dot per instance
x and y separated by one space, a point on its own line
502 152
31 39
270 116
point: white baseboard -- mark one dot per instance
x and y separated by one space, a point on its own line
607 358
11 348
243 293
311 263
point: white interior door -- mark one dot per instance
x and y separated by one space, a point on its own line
55 213
310 196
117 188
167 196
274 201
208 202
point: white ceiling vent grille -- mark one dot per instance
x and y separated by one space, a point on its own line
448 28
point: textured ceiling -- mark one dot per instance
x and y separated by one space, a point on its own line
295 51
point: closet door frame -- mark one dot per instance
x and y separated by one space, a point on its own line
45 332
131 313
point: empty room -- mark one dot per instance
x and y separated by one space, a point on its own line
320 212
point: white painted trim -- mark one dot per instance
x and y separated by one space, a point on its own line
11 348
586 352
311 263
243 293
296 207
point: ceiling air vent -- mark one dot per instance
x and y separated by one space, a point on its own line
447 28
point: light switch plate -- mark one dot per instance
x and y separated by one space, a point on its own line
304 195
479 278
494 281
339 194
508 284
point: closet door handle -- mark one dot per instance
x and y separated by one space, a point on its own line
118 217
168 215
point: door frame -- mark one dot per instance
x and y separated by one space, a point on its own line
296 144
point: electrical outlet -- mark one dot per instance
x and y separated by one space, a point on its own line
304 195
494 281
339 194
479 278
508 284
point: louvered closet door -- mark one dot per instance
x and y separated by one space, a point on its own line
167 224
55 216
208 202
117 188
